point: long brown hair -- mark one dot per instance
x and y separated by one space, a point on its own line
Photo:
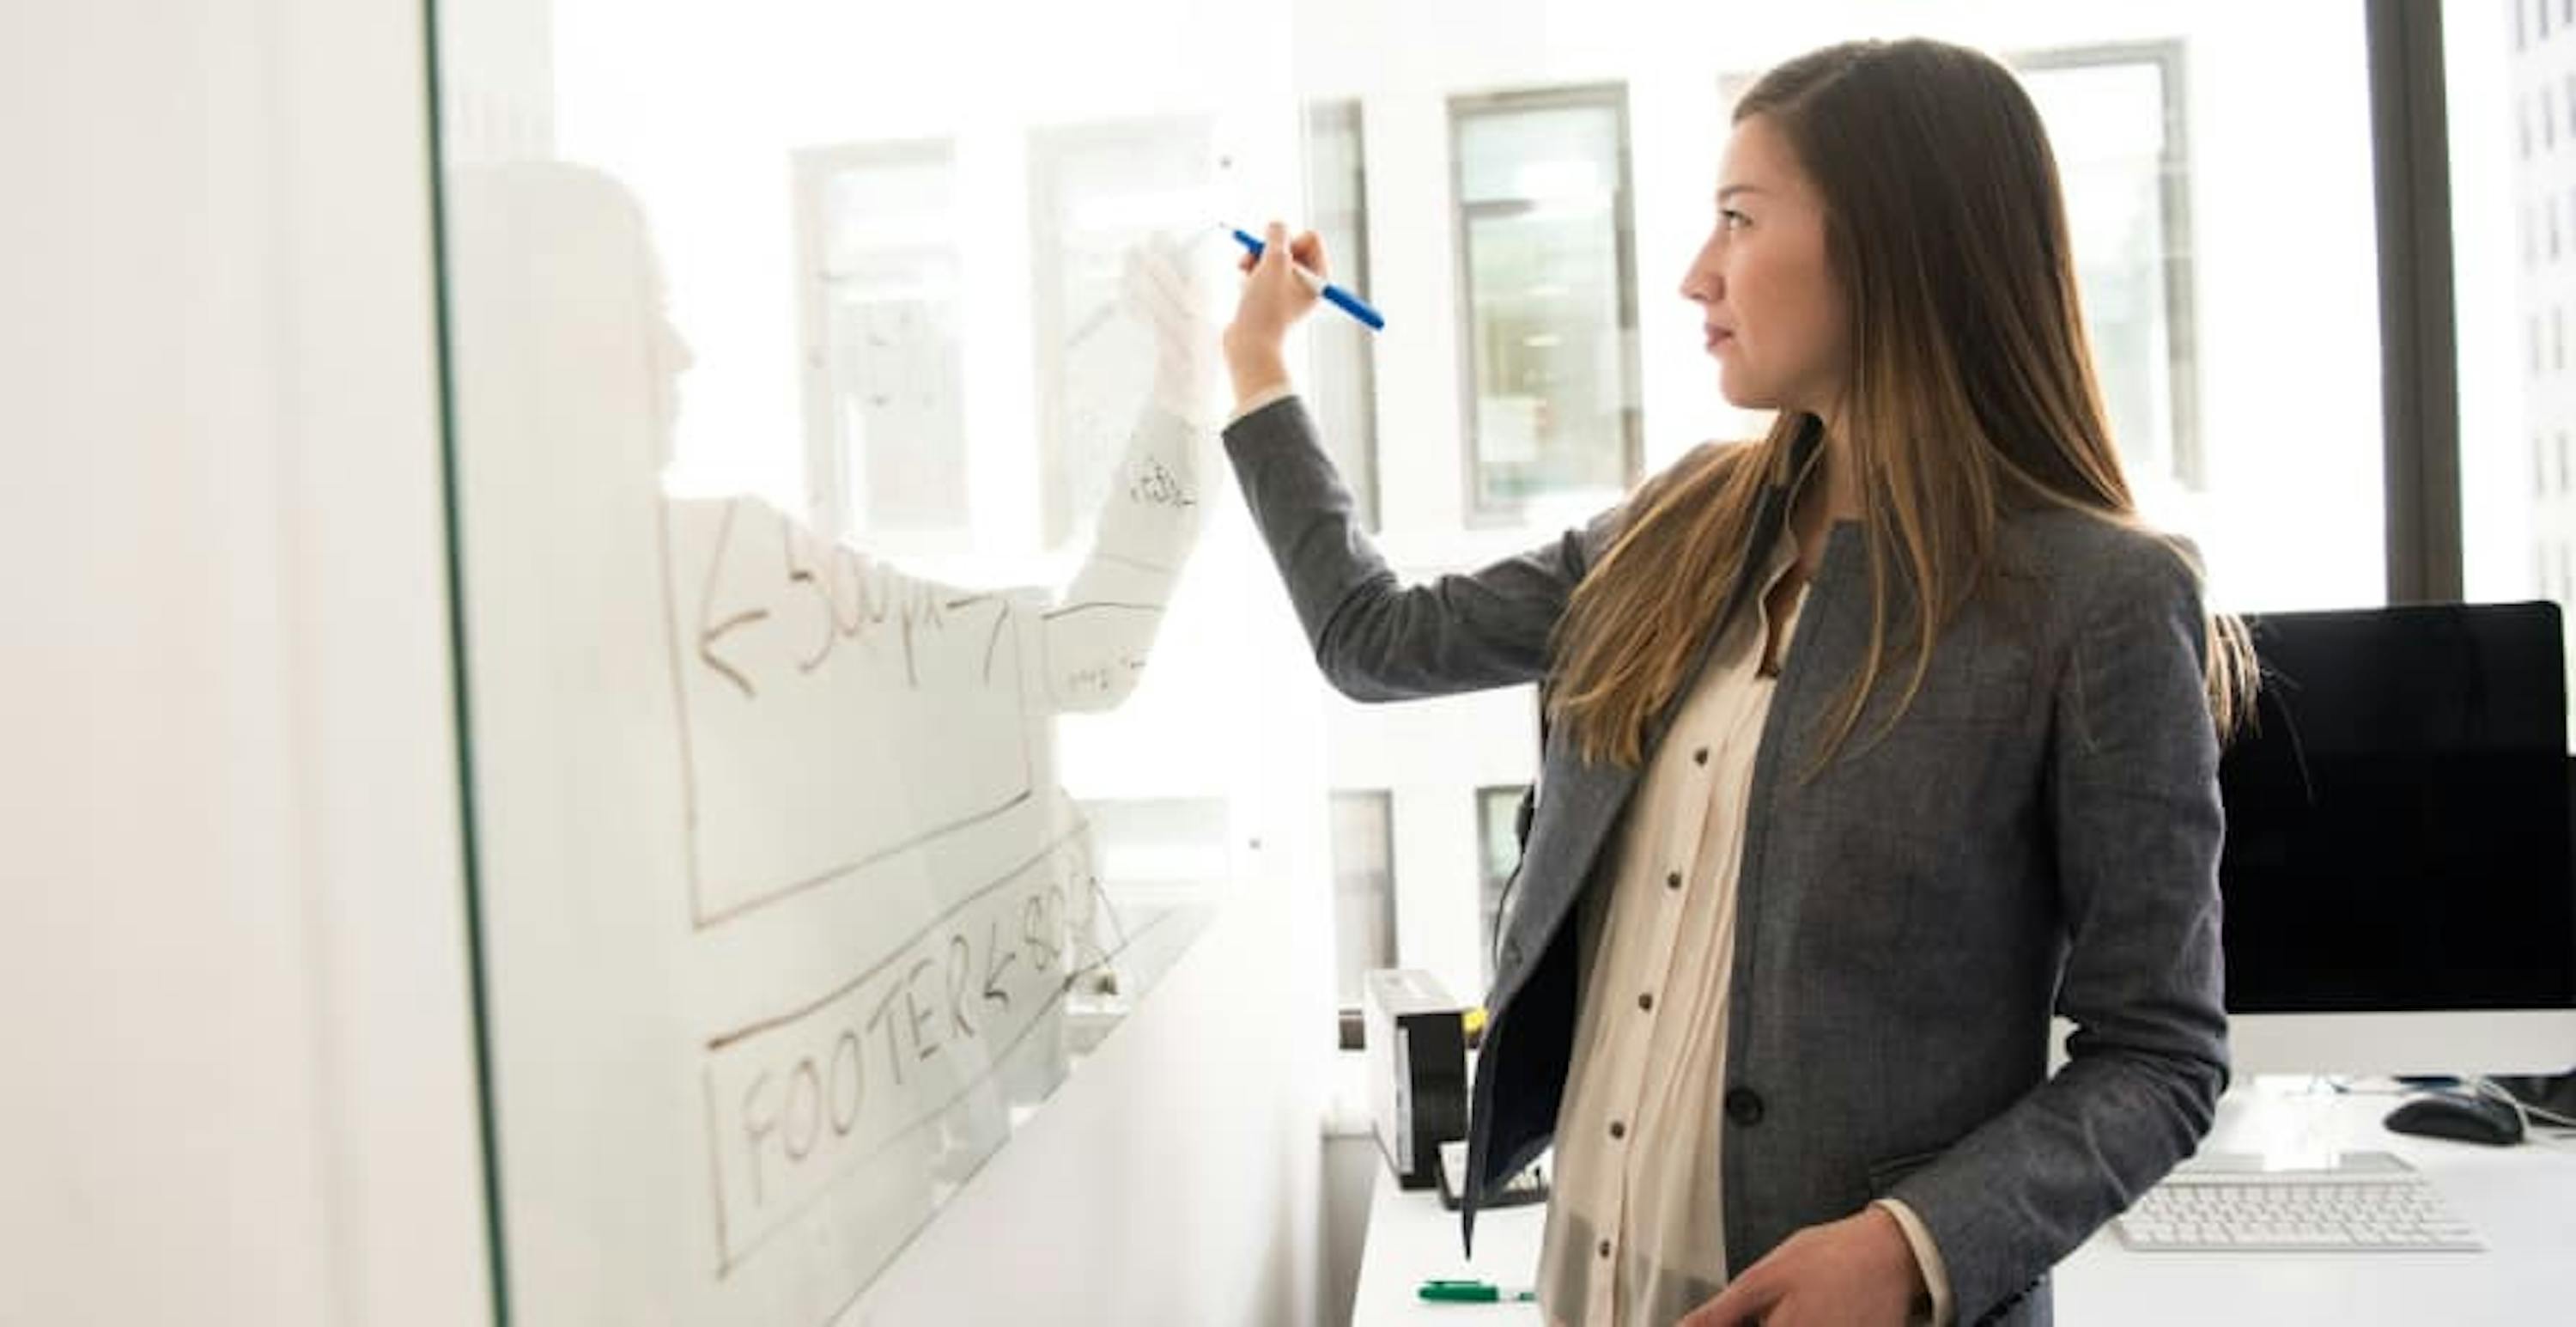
1970 394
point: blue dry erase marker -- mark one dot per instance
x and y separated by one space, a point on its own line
1473 1292
1333 294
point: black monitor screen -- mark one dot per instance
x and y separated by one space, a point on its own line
2397 819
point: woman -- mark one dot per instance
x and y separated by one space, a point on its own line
1873 742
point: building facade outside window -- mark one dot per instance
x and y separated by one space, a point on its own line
2504 67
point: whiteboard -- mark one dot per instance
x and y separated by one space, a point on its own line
783 565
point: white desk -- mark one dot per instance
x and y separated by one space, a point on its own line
2521 1199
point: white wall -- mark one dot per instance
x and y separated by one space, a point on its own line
238 1047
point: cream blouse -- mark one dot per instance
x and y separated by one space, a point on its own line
1634 1227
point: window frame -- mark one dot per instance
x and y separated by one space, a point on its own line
1358 459
1611 95
2186 457
2418 309
1349 1019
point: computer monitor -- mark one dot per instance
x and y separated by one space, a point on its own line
2397 880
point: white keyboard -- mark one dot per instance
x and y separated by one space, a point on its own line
2370 1201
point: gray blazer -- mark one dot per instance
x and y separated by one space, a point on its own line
2039 832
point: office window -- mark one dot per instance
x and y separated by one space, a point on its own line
886 447
1343 391
2115 120
2539 470
1095 192
1498 854
1547 274
1363 889
2548 121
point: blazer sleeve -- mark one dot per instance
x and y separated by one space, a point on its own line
1375 637
2132 798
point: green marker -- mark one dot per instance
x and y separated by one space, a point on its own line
1473 1292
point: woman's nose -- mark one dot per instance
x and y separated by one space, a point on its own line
1701 280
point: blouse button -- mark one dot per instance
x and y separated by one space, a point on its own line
1700 756
1672 880
1646 1001
1618 1130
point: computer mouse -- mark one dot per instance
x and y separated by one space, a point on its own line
2461 1116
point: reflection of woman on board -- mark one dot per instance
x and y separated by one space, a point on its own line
605 621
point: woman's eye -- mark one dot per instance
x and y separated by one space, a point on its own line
1730 219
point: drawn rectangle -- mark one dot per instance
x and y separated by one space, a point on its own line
834 712
802 1100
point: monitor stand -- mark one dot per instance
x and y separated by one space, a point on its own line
2285 1123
